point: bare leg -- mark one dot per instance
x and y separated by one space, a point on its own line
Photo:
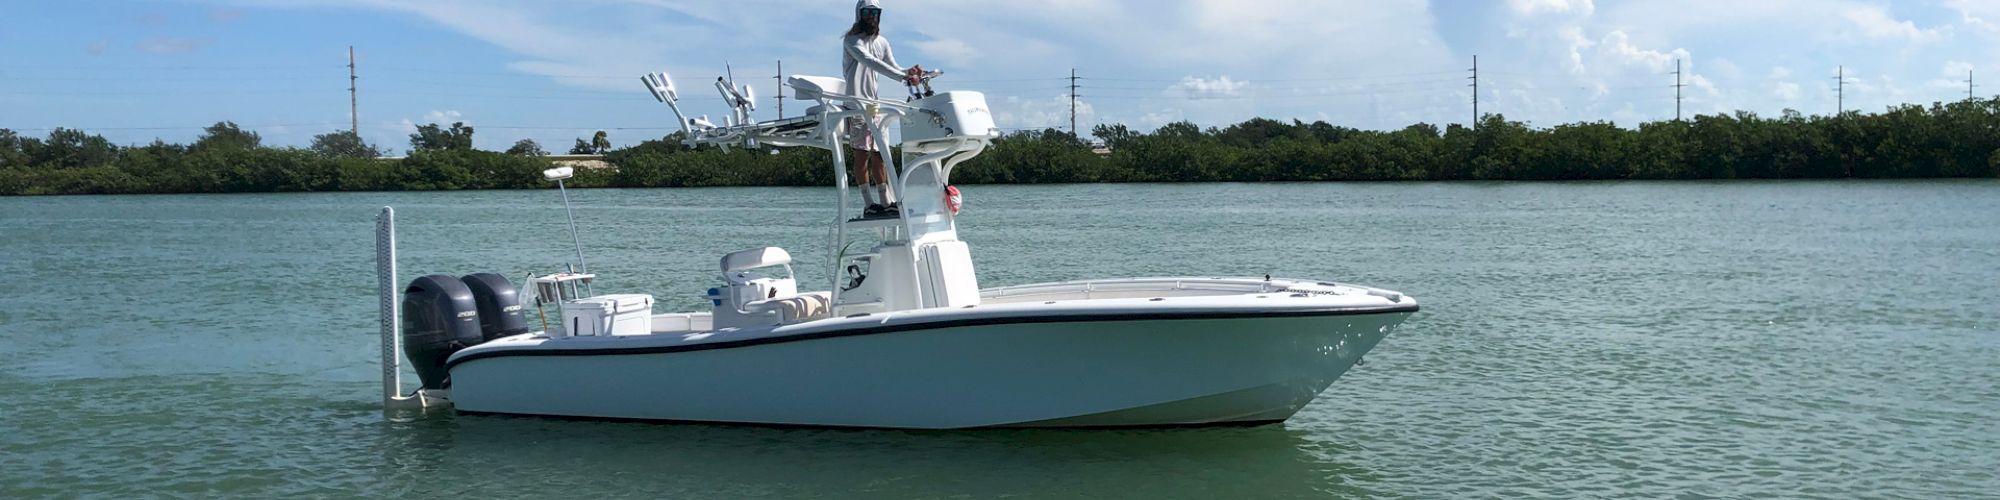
859 173
881 171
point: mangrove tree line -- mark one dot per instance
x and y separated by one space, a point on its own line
1960 139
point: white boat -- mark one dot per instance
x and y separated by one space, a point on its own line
904 337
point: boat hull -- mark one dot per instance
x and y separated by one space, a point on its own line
1111 371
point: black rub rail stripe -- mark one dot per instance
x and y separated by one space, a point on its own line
931 325
722 423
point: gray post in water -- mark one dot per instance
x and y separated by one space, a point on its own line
391 310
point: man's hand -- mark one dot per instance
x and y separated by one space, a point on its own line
915 75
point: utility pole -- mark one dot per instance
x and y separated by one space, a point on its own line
781 88
1475 91
1969 86
1072 103
1677 89
353 103
1840 91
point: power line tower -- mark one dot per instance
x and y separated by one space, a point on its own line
781 88
1840 91
1475 91
1677 89
1072 103
353 102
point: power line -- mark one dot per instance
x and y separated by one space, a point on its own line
1328 79
1263 97
1014 80
123 69
500 96
501 74
1356 86
216 92
547 127
155 79
167 128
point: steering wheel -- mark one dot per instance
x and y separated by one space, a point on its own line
921 87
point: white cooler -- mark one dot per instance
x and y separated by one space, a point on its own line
607 315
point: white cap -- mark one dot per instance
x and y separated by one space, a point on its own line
863 4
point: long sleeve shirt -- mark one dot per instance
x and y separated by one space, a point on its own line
862 57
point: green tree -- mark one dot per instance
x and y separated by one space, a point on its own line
527 147
600 142
343 144
431 137
72 148
225 135
14 149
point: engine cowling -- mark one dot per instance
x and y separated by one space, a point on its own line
499 305
440 317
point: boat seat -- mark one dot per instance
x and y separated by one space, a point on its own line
813 88
755 258
795 308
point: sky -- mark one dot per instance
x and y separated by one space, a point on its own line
554 71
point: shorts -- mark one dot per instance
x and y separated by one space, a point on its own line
859 136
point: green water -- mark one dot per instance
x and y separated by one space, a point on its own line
1645 340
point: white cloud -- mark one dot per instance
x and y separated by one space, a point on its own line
1981 14
445 117
1875 22
1956 68
1785 91
441 118
1036 113
1531 7
1617 49
951 50
1203 88
1952 76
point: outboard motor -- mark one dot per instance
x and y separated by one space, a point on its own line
439 318
499 303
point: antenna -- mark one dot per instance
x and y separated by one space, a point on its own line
781 88
1969 86
729 98
662 87
558 174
